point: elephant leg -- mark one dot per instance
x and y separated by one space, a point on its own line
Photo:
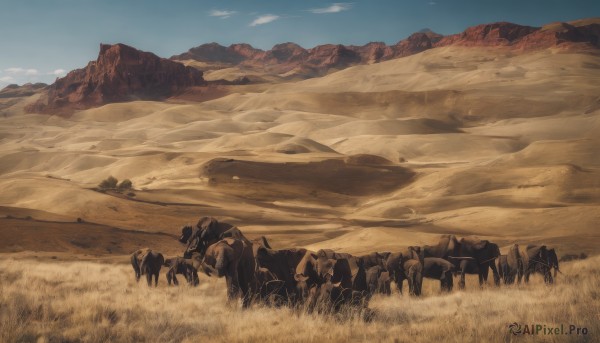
156 279
169 277
449 281
484 272
548 276
527 273
233 285
495 274
463 269
149 278
175 281
195 279
136 270
400 285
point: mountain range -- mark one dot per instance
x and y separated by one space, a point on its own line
123 73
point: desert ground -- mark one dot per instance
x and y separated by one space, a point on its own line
468 141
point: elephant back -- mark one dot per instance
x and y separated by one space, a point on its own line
513 258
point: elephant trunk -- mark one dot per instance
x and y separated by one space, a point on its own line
208 269
221 265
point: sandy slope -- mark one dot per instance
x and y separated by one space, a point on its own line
469 141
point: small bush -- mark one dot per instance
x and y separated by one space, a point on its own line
125 184
109 183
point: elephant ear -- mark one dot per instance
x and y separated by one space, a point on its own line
534 250
209 224
186 233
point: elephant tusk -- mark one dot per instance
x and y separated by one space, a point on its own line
461 258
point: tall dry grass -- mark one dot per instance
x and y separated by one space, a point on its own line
93 302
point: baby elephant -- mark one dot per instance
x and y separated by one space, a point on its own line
185 267
378 281
439 269
148 262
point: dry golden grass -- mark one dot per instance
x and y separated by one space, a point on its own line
94 302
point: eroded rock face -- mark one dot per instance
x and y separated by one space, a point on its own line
214 52
495 34
323 58
120 73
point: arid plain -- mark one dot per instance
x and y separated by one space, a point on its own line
484 141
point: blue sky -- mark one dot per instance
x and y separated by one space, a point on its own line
41 39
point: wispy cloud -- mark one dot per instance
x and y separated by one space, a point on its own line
223 14
14 70
58 72
7 79
21 71
264 19
334 8
431 3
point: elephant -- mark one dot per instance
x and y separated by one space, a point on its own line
373 259
327 281
269 286
553 261
358 271
469 255
378 281
223 258
510 266
540 259
406 265
209 231
147 262
439 269
337 289
306 276
281 264
185 267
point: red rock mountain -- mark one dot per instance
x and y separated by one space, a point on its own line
120 73
323 58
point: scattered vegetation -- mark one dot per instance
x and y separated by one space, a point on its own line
112 184
125 185
109 183
95 302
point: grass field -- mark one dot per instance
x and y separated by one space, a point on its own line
96 302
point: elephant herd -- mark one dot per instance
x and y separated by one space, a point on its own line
327 279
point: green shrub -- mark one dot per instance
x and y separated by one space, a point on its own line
109 183
125 184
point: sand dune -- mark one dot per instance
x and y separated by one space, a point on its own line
451 140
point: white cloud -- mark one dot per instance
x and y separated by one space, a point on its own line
21 71
431 3
14 70
7 79
221 14
58 72
264 19
334 8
